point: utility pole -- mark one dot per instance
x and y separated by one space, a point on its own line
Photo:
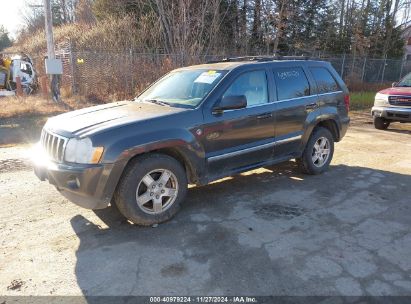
54 85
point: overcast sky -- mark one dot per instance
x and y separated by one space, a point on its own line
11 14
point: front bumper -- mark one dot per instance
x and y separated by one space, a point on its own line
85 185
392 113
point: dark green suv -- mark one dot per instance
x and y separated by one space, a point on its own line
195 125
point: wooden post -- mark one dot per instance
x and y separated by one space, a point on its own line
19 88
54 84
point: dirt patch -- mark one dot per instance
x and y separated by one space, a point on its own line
174 270
12 165
270 211
21 130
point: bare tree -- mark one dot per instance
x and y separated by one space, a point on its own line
280 23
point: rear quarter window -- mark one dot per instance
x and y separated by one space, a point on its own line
324 80
291 83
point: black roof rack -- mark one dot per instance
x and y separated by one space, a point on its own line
263 58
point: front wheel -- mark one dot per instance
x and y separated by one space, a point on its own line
318 152
151 189
381 123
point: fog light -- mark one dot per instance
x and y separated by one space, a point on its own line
73 183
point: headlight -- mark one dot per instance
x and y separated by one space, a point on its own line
81 151
380 99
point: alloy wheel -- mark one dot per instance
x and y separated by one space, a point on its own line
157 191
321 152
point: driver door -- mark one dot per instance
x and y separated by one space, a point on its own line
241 138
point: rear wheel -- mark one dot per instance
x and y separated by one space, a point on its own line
381 123
151 189
318 152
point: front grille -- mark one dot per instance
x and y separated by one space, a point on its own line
400 100
53 144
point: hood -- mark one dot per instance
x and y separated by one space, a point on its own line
98 118
397 91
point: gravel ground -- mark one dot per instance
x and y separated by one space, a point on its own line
271 231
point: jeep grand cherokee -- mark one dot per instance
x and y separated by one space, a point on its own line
194 125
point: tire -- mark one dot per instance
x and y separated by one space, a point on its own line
161 200
307 163
381 123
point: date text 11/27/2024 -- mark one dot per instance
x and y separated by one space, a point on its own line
206 299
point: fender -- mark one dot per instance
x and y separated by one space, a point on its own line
121 151
316 117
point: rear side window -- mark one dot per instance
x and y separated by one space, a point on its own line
291 83
325 81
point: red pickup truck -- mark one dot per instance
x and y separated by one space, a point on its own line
393 104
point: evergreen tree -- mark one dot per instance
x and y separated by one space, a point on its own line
5 40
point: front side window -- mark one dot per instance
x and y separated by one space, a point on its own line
405 82
253 85
324 80
185 88
291 83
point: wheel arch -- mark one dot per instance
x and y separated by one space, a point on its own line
182 154
182 158
329 123
187 153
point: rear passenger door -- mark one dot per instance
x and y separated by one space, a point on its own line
295 101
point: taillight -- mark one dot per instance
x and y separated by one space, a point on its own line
347 102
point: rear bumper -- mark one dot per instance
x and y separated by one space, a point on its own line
345 122
392 113
85 185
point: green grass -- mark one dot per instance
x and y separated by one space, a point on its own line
362 100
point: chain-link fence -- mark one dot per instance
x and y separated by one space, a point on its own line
370 70
98 75
103 76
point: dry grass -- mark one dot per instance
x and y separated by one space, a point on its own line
11 107
109 35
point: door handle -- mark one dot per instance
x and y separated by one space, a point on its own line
265 115
311 106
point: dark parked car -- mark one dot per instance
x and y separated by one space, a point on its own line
195 125
393 104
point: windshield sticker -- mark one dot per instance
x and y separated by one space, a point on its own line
207 77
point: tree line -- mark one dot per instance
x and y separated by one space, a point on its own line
245 27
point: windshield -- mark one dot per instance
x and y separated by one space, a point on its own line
405 82
182 88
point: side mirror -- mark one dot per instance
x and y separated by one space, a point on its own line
394 84
232 102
